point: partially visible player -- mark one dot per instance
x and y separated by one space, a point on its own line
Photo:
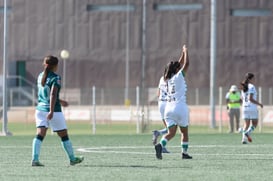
162 99
249 109
176 111
49 112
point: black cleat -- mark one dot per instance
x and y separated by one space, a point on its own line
36 164
244 142
186 156
158 150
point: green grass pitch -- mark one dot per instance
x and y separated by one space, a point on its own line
119 155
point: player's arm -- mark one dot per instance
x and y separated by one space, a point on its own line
53 99
181 59
63 103
184 59
158 92
254 101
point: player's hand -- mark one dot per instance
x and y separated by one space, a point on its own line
49 116
184 49
64 103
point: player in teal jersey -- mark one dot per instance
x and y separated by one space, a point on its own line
49 112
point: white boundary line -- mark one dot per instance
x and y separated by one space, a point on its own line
191 146
131 150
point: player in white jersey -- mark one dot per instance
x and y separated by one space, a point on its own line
176 111
249 107
162 100
49 112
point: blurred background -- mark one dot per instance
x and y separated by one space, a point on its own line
116 51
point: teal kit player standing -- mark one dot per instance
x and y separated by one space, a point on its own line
49 112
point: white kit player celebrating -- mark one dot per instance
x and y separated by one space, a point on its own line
249 109
176 111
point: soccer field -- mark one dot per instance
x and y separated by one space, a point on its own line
132 157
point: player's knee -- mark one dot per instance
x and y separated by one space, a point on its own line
39 137
65 138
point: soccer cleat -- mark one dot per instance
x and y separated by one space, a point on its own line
158 150
155 136
77 160
248 137
186 156
36 164
244 142
164 150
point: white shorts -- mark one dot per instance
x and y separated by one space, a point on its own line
161 107
177 114
250 114
57 123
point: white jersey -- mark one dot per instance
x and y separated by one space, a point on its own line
177 88
247 104
162 86
162 98
176 111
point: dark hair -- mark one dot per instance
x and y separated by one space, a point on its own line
171 69
245 82
49 63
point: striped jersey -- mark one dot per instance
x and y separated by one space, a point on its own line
44 92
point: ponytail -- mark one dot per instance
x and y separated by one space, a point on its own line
49 63
44 76
244 84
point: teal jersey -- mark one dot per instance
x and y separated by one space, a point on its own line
44 92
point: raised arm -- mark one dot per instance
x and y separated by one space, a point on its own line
184 59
